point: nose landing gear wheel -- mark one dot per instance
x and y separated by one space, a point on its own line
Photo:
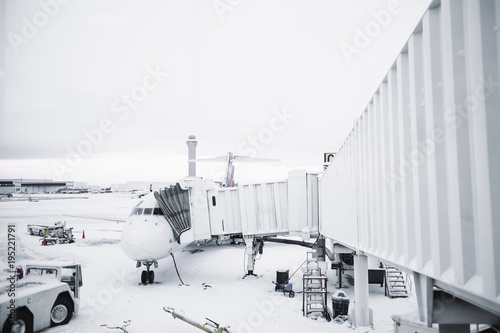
151 276
144 277
147 277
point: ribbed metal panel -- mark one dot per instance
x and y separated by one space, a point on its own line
303 204
417 180
312 202
337 193
264 208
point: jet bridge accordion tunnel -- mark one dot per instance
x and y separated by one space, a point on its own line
174 203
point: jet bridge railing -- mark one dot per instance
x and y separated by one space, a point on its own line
417 181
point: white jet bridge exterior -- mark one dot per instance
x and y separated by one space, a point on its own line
251 211
288 207
417 182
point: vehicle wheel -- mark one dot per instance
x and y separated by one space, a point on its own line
144 277
151 276
40 233
31 231
292 294
22 324
61 312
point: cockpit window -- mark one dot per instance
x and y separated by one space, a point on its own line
138 211
135 207
157 211
148 211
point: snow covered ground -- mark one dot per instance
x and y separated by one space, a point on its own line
112 292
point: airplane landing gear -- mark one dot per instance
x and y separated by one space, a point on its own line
148 276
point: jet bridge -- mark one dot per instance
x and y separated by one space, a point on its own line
200 210
416 182
249 210
174 203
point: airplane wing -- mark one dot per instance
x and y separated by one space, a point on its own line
101 218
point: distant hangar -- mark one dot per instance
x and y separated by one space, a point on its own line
33 186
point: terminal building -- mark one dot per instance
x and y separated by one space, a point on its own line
31 186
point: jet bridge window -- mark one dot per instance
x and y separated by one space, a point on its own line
148 211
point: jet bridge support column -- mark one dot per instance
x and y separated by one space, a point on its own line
253 247
362 316
424 287
248 255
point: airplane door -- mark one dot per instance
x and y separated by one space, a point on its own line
216 227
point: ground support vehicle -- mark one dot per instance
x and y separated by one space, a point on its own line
42 229
49 295
58 233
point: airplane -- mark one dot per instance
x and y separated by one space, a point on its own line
229 159
146 238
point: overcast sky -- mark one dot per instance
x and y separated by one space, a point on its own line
106 91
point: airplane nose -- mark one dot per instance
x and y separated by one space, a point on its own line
146 239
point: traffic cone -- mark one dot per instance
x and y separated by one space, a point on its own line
83 235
